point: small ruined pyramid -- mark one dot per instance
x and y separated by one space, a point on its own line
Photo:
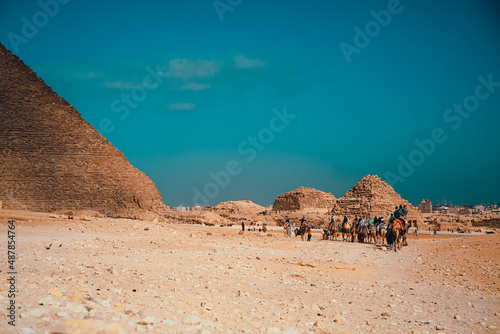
226 209
52 159
371 196
303 198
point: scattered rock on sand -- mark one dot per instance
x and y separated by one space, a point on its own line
54 292
191 320
80 326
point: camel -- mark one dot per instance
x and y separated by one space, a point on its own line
354 230
394 234
331 231
354 233
404 230
372 234
339 230
303 232
381 232
362 234
346 231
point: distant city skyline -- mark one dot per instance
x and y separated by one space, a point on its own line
246 100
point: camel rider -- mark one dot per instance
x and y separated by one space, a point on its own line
405 214
380 226
303 221
400 214
331 226
361 223
370 221
381 223
391 220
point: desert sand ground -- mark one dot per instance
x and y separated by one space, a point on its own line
123 276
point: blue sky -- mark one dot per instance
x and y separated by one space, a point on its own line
182 93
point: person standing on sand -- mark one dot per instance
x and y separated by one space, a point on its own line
288 228
309 233
243 226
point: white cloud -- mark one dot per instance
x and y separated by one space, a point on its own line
89 75
196 86
181 106
120 84
189 68
244 62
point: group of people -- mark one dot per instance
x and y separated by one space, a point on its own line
304 229
400 213
359 226
252 228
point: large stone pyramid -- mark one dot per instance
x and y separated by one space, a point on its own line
371 196
52 159
303 198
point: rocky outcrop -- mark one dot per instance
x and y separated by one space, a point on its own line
371 196
52 159
303 198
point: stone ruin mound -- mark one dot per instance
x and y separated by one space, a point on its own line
303 198
239 208
371 196
197 217
52 159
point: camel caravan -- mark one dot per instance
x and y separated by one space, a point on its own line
370 196
374 231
